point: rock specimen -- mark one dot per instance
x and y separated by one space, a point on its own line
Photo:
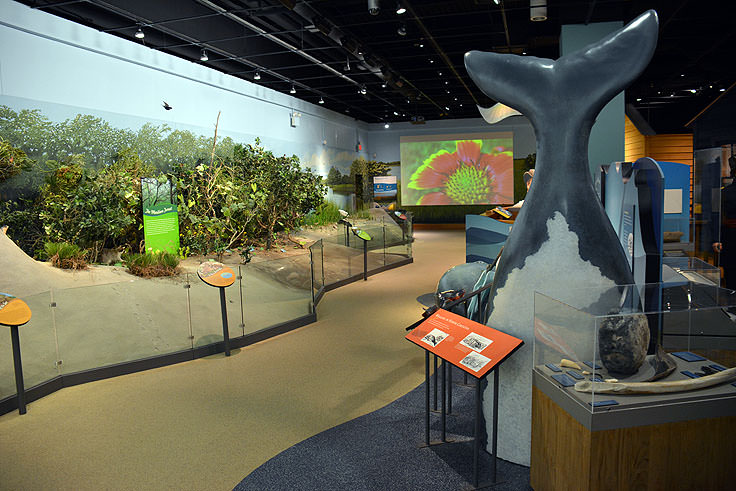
623 341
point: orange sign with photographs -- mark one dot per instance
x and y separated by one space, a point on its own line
468 345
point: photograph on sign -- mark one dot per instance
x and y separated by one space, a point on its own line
476 342
434 337
475 361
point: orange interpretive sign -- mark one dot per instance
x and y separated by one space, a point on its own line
216 274
13 311
467 344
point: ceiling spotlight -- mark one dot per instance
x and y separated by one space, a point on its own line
497 2
421 45
395 113
523 52
400 9
386 125
293 90
384 85
139 33
447 108
401 30
204 56
257 75
374 7
431 60
693 90
321 100
347 64
362 90
638 99
721 90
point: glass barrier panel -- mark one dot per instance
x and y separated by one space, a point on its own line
37 347
276 291
114 323
318 272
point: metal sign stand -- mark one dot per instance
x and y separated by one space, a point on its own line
478 416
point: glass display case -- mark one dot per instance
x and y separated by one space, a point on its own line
675 269
613 355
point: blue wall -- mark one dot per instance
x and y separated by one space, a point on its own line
63 69
383 144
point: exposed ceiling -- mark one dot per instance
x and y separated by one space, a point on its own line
359 63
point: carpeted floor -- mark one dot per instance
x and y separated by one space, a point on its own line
383 451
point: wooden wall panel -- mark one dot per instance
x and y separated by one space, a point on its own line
634 142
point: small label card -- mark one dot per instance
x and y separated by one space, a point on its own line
564 380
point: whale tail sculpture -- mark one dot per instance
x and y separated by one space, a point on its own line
562 238
578 84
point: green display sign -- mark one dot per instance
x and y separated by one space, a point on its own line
160 217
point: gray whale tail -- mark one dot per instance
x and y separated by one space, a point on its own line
580 83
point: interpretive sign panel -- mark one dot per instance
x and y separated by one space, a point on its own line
160 216
468 345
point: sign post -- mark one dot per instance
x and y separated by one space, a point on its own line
220 276
14 312
474 348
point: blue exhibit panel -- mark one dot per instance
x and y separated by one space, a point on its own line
484 238
677 188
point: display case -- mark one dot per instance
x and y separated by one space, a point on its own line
608 340
677 431
685 268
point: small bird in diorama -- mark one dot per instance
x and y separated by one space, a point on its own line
166 106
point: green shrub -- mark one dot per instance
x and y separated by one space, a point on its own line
12 160
65 256
24 225
324 214
282 191
152 264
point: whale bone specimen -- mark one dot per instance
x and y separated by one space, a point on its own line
656 387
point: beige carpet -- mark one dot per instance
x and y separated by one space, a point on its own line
206 424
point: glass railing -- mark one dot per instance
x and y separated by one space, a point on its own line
86 328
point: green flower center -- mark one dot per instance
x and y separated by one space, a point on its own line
468 185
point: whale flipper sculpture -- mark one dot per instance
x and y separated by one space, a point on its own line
562 225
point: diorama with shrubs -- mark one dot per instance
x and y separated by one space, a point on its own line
78 183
